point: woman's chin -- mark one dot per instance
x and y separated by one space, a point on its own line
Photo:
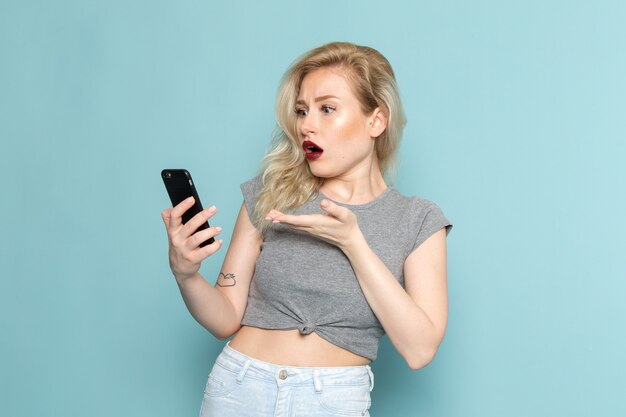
320 172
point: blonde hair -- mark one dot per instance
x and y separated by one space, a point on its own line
287 180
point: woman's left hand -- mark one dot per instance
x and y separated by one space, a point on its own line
339 226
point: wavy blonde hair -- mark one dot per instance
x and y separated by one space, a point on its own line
287 181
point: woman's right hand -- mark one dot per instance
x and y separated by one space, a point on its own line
185 253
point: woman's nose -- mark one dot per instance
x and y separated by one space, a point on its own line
308 125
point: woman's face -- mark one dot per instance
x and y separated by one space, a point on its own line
335 134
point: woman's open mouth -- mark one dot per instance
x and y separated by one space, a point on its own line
312 151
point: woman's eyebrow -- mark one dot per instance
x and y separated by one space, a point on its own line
320 98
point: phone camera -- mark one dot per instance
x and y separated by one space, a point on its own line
168 175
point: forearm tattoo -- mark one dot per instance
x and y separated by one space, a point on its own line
227 280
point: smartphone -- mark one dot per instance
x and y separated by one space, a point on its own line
180 186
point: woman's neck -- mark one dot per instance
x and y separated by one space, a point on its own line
356 187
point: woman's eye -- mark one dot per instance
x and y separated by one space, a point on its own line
300 112
327 109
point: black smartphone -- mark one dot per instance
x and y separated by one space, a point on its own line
180 186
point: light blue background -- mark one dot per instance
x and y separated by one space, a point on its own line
516 129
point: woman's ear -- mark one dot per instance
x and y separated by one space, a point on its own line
377 123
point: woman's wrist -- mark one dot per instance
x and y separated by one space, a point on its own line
182 279
354 243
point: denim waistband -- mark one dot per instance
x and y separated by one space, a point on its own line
248 367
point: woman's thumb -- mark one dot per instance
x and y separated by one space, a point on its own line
333 209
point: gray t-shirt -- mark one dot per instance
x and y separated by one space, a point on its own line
301 282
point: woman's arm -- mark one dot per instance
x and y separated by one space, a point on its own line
415 319
220 309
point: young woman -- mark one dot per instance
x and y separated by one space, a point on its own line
325 256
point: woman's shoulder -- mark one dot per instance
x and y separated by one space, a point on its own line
414 203
422 216
250 190
252 187
418 209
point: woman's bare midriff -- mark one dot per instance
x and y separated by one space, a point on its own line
290 348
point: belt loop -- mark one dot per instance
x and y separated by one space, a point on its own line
316 380
243 371
371 374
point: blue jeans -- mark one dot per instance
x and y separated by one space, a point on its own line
241 386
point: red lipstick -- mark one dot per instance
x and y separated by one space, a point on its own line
311 150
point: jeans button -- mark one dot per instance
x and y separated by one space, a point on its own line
282 374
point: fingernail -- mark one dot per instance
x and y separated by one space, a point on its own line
212 208
219 229
324 203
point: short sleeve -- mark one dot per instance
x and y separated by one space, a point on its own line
429 219
250 189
